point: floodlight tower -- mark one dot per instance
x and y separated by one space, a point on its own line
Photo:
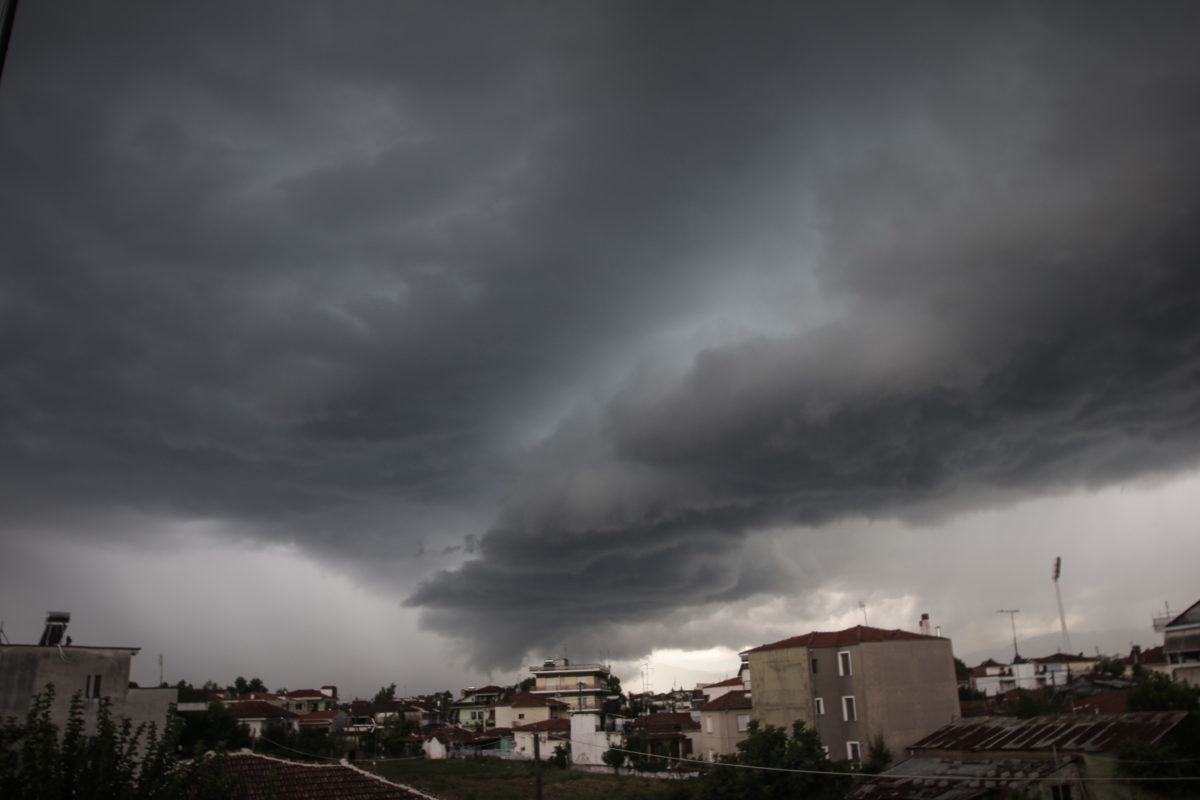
1012 615
1062 617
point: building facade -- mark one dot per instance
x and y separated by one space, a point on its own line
582 687
856 684
1181 646
95 673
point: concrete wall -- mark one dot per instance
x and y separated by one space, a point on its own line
26 670
724 736
509 717
782 686
910 691
831 686
589 742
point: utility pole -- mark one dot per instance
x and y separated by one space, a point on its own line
1062 617
1012 615
6 26
537 762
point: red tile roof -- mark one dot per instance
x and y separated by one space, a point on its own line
1062 658
258 777
1062 732
319 717
856 635
724 683
545 725
306 693
728 702
1111 702
260 709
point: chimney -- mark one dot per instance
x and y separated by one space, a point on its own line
923 627
56 626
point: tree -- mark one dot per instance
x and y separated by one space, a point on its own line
879 757
771 746
961 671
386 693
118 761
527 684
1155 691
214 729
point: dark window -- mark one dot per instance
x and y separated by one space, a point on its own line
814 666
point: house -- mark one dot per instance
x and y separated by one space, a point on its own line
474 708
1058 669
666 733
95 673
306 701
581 686
592 735
258 714
1053 756
526 708
333 720
1181 645
724 722
1152 660
712 691
549 732
855 684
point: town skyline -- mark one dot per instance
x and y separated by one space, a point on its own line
433 339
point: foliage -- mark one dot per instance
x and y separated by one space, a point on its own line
614 757
1109 666
771 746
527 684
215 729
967 693
117 761
1155 691
386 693
562 755
1029 704
310 743
879 756
1177 757
961 671
242 686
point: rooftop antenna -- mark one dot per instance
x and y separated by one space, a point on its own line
1062 617
1012 615
3 636
863 607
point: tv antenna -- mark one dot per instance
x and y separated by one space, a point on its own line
862 604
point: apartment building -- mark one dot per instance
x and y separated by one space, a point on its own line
855 684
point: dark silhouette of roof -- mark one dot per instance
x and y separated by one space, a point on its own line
259 777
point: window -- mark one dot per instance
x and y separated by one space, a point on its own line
708 724
92 689
521 715
820 706
844 663
1061 792
814 666
743 722
852 751
849 712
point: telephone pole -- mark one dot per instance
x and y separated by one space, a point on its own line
1012 615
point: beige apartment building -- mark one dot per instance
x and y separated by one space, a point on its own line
581 686
855 684
724 721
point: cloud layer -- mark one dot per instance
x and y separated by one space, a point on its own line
585 305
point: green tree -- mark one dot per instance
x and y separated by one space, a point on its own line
527 684
879 756
961 671
771 746
117 761
213 729
1155 691
386 693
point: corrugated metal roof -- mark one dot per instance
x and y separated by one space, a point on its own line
1062 732
949 779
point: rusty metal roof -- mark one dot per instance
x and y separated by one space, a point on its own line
1062 732
950 779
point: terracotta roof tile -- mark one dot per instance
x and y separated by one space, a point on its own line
258 777
260 709
545 725
856 635
728 702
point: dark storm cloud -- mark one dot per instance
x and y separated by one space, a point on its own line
323 271
1018 256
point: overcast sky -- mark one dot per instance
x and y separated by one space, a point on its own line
380 341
